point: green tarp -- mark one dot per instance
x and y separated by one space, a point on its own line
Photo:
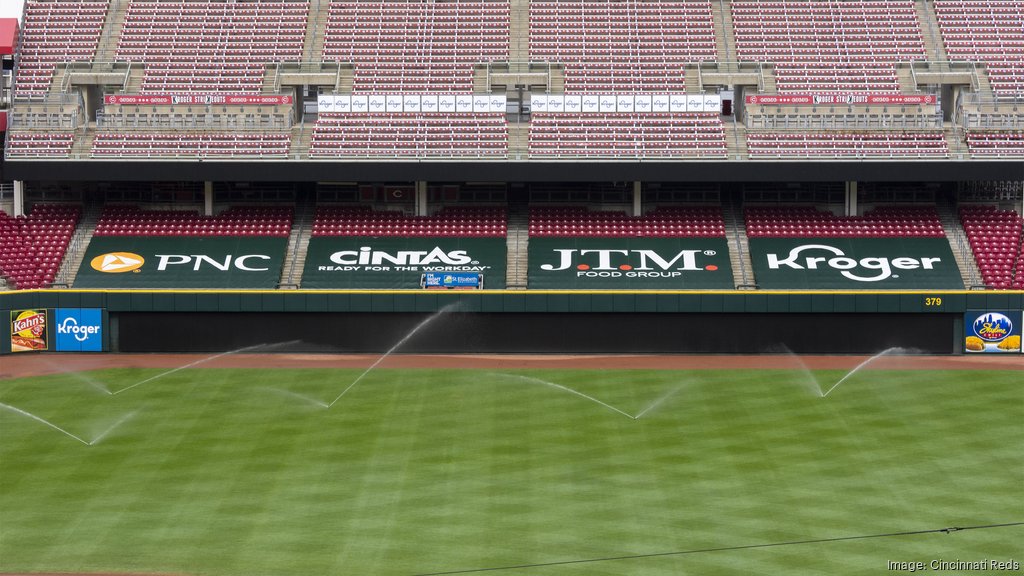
854 263
630 263
352 262
182 262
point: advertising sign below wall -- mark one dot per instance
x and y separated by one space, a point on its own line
992 332
29 330
78 329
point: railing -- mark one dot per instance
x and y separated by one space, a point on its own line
881 122
946 67
44 121
176 121
739 67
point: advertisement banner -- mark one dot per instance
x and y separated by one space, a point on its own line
30 330
992 332
630 263
198 99
351 262
841 98
854 263
452 280
78 329
182 262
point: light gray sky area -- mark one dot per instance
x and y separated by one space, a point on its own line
11 8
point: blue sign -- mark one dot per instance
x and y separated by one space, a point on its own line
78 329
452 280
993 332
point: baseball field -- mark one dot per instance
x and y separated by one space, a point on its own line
260 465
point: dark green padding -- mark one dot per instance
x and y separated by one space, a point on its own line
182 262
630 263
854 263
351 262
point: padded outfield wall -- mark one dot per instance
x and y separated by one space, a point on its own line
541 321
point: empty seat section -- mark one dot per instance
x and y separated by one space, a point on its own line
449 221
662 222
622 47
202 145
1009 144
39 145
846 145
829 45
987 31
416 47
810 222
189 46
410 135
54 32
995 238
131 220
669 135
32 248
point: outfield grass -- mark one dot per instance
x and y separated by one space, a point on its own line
229 472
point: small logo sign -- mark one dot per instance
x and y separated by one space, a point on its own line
117 262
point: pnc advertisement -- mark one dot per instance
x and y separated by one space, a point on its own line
629 263
182 262
398 263
992 332
854 263
30 330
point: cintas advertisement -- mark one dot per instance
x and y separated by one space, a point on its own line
630 263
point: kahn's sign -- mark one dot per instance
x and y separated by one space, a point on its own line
629 263
836 263
187 262
357 262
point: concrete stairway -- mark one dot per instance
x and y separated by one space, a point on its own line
518 241
735 138
79 244
739 248
518 141
930 31
723 31
106 51
958 243
313 48
298 245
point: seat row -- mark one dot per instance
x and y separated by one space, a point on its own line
809 222
476 222
456 135
996 239
675 222
196 144
627 135
990 32
853 144
131 220
32 248
54 32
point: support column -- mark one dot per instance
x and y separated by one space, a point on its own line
851 199
208 198
638 205
421 198
19 197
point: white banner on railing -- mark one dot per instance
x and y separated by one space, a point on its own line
660 103
378 102
429 103
498 103
572 103
394 102
591 103
539 103
411 103
556 103
446 103
607 102
624 103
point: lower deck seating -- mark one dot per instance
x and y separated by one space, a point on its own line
39 145
809 222
662 222
1009 144
670 135
846 145
32 248
131 220
458 221
996 241
203 145
410 135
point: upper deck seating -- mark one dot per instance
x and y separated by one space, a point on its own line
667 135
53 32
847 144
987 31
410 135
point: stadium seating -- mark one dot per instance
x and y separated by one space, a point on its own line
39 144
415 47
197 144
829 45
410 135
995 238
1009 144
131 220
809 222
624 47
211 46
662 222
31 249
987 31
627 135
455 221
852 144
53 32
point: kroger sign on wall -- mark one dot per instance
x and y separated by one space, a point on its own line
854 263
163 262
399 263
630 263
78 329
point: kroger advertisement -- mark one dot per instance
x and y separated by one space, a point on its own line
400 263
854 263
992 332
630 263
60 330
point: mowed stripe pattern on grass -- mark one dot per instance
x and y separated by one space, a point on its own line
418 471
